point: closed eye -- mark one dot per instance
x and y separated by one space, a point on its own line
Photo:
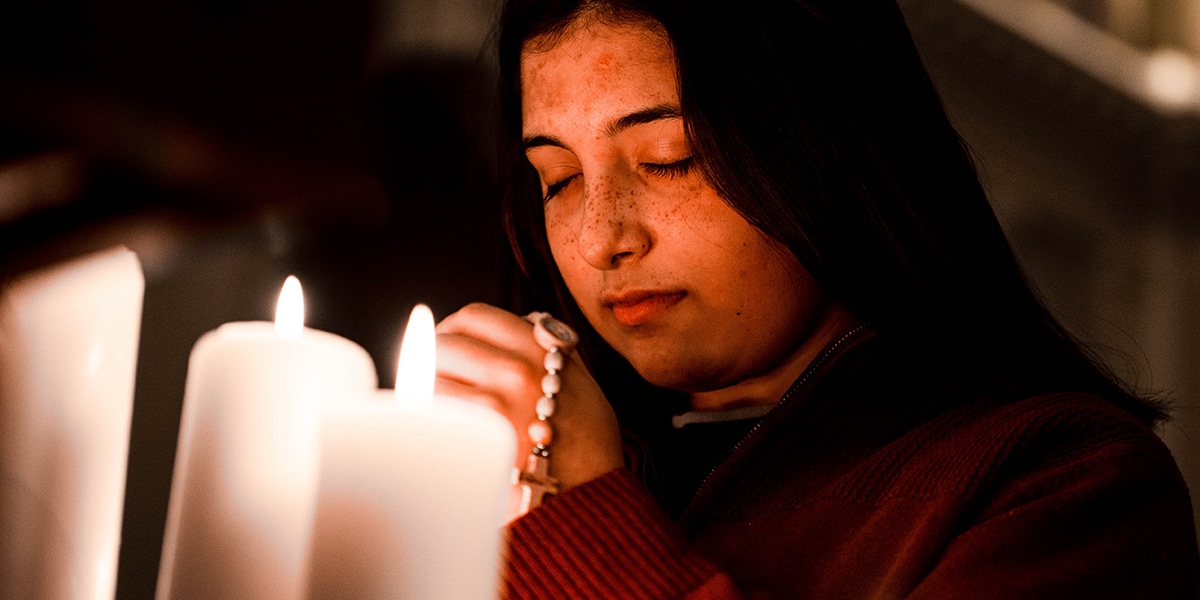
556 187
678 168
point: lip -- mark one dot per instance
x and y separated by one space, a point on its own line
635 308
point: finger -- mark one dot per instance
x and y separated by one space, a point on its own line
519 411
494 326
509 383
473 361
454 389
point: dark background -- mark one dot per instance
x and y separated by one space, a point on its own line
350 143
233 143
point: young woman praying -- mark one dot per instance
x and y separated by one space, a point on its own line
807 363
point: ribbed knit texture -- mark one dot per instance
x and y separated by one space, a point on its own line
866 487
611 538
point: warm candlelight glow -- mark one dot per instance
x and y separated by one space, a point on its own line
289 312
416 371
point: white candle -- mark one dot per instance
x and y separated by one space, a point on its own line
243 492
68 355
413 489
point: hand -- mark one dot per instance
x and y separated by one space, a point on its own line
489 356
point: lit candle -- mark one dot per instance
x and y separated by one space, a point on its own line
244 488
68 354
413 489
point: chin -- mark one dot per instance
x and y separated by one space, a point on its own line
671 375
663 362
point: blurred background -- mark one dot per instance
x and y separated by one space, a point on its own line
232 143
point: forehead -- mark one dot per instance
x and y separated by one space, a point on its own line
593 69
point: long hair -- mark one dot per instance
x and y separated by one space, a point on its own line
816 121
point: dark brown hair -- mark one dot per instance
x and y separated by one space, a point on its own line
816 121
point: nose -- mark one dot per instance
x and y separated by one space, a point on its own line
614 230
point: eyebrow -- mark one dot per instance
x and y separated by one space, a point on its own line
646 115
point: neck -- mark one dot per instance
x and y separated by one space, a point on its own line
769 386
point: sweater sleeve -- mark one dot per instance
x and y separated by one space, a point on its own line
606 539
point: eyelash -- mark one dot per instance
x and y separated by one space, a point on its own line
678 168
554 188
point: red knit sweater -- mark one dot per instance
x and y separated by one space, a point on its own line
859 486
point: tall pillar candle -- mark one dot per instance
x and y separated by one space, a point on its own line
243 492
68 356
413 490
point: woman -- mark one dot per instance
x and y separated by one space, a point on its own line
810 366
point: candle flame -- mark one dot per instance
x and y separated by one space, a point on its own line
416 371
289 312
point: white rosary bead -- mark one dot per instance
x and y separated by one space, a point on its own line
556 338
554 360
551 384
541 433
546 406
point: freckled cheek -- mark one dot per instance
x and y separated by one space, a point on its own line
563 237
560 236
